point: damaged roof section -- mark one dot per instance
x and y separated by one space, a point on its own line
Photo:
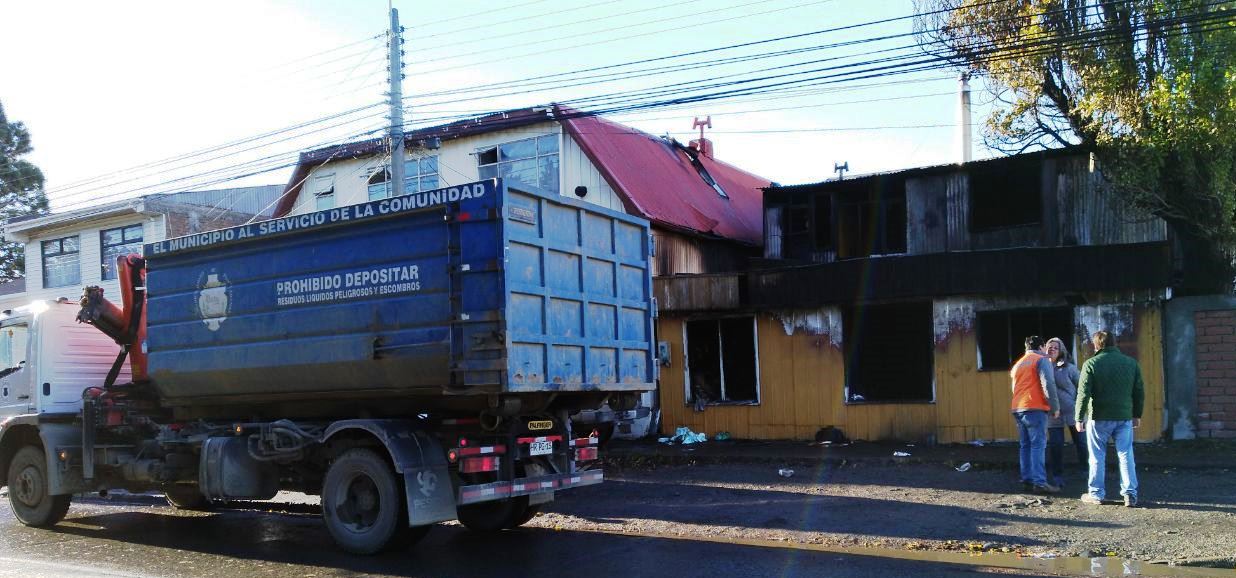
672 185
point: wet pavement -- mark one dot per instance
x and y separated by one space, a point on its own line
140 536
118 539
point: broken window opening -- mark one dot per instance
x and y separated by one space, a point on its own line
721 361
823 221
1002 334
871 217
1005 194
889 353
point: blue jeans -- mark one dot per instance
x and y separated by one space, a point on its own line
1097 434
1032 425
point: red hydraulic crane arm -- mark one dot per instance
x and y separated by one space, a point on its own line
126 323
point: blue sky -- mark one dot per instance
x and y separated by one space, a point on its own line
105 88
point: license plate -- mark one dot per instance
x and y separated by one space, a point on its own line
540 448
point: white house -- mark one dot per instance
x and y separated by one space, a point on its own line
706 214
68 251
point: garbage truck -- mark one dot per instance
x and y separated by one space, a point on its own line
410 360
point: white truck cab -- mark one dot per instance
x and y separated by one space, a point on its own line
48 359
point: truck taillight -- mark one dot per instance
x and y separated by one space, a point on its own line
586 454
482 464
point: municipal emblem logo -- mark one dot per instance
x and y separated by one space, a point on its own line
212 300
428 482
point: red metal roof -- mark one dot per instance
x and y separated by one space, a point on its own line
657 180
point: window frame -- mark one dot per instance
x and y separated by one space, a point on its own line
1005 172
59 242
385 183
536 157
688 400
104 265
318 193
850 379
1013 344
417 177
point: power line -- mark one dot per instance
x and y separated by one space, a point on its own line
208 150
250 168
596 43
483 13
217 158
454 32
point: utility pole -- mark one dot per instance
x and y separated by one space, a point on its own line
396 94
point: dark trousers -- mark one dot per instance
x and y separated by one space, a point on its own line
1055 451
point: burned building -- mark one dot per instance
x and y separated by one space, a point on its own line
892 305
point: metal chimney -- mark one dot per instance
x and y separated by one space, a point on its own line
963 120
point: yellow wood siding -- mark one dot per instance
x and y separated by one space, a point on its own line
802 388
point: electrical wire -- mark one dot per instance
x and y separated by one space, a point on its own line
904 64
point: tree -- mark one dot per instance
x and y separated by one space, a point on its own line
1148 86
21 191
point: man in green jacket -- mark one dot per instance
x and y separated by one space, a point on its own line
1109 405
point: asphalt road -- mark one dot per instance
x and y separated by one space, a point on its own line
142 537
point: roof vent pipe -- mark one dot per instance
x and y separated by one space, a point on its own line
963 119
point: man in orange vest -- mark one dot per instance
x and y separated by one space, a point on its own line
1034 396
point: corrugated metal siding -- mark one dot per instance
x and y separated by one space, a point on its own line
926 216
1090 213
957 192
772 232
698 293
678 254
249 200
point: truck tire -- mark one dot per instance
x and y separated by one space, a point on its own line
28 486
496 515
185 497
363 503
529 514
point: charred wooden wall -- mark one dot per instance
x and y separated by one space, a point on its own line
1075 204
699 292
678 254
802 375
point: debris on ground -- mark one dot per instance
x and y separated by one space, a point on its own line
684 435
721 436
964 467
785 472
901 454
977 443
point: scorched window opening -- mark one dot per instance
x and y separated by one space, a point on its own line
722 362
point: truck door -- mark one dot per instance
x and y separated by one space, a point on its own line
15 390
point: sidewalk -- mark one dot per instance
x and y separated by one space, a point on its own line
1192 454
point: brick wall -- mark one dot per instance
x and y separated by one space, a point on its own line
1216 373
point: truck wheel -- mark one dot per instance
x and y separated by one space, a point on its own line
28 485
529 514
362 503
496 515
184 497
